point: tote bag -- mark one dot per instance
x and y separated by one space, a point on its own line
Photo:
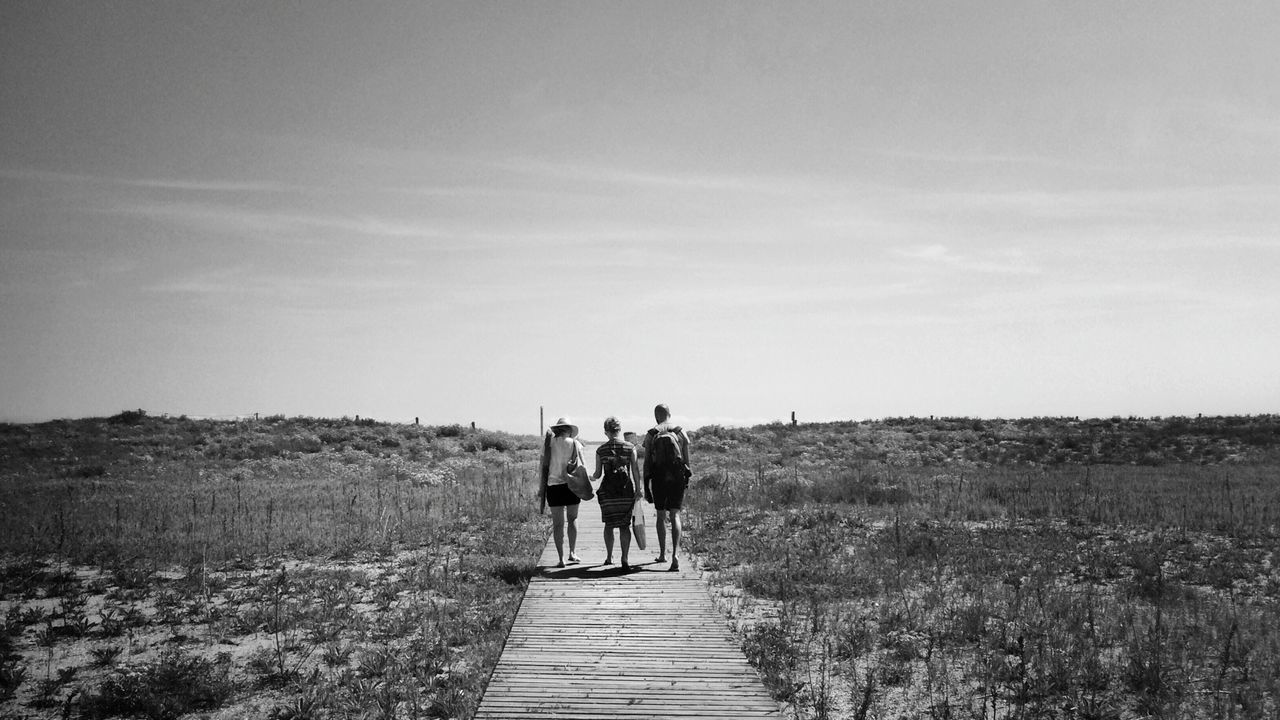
576 475
637 523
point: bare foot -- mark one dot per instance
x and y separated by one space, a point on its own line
675 564
574 559
607 561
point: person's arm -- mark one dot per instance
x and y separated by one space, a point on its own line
635 473
599 465
648 472
648 440
684 446
543 467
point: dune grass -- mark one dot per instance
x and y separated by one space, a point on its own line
287 567
892 569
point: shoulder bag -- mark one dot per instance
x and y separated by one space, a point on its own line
576 475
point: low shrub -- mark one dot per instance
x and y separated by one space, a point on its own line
772 651
128 417
12 675
488 440
173 685
451 431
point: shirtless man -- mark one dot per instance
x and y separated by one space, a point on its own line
664 484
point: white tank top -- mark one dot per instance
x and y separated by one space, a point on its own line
561 450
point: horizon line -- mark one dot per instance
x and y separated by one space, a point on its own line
260 417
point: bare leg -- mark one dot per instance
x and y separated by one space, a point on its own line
557 531
608 546
675 538
572 512
625 534
662 535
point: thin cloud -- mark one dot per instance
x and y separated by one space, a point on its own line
177 184
585 173
325 288
1099 203
1007 263
1247 123
790 298
45 176
224 281
1002 159
218 186
285 227
1104 303
465 191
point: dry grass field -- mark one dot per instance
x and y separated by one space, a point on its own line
283 568
956 568
911 568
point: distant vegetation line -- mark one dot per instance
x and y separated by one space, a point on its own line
909 439
169 489
1027 441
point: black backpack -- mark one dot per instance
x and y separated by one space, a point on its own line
617 477
666 461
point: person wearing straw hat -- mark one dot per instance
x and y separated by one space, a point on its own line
559 447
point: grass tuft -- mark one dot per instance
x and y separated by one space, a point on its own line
173 685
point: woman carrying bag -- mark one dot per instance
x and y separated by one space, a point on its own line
617 464
559 448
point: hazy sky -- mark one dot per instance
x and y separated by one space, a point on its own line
465 211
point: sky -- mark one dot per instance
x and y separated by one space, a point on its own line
477 212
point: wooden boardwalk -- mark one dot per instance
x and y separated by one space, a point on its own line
592 642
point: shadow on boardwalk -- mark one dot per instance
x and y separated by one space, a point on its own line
589 572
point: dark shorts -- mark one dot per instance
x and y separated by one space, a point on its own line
561 495
667 495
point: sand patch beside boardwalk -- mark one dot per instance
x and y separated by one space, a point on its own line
263 626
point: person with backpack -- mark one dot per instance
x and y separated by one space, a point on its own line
666 475
618 469
559 446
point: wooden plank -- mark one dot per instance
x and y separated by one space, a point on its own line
591 641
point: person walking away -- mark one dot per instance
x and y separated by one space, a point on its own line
632 438
616 463
666 475
559 447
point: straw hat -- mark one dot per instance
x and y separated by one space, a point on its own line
564 422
